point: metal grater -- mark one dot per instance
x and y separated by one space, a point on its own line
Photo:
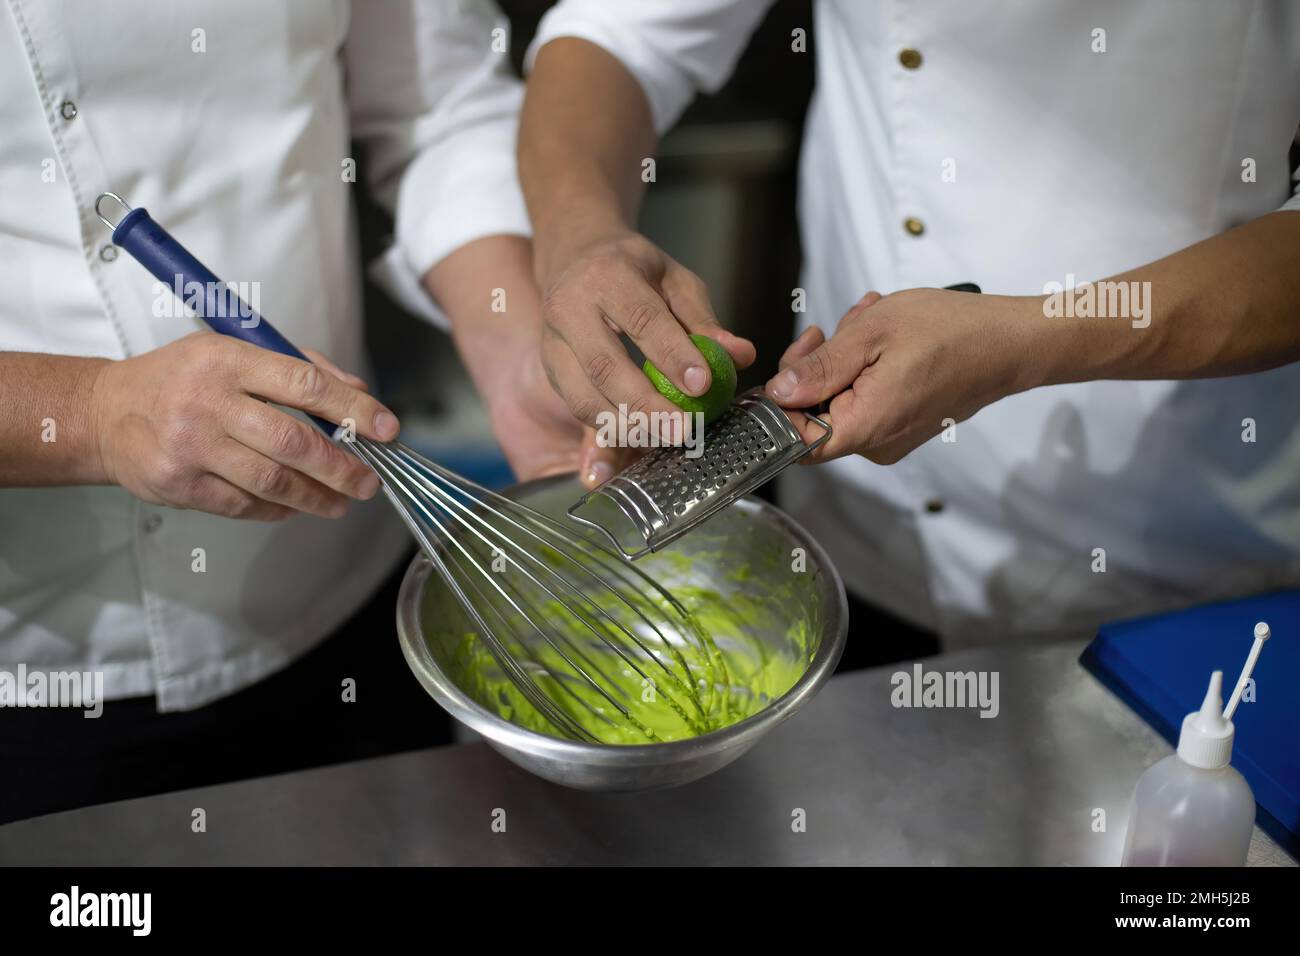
665 494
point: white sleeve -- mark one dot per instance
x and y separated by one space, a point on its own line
434 101
674 48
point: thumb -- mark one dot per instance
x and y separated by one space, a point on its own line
809 339
823 372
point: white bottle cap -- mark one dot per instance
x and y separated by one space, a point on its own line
1206 738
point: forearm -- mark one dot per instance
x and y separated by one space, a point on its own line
47 431
487 291
585 130
1225 306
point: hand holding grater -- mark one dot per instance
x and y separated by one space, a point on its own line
662 496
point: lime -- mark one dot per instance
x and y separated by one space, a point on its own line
721 391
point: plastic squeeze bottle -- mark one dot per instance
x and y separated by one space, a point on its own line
1193 808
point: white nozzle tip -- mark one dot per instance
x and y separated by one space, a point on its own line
1214 695
1206 737
1262 633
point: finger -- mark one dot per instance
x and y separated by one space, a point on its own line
279 484
811 433
855 416
288 441
606 366
570 381
809 339
597 463
217 496
688 297
302 385
348 378
822 373
829 368
868 300
839 445
637 308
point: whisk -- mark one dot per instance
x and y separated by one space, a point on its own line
577 629
581 633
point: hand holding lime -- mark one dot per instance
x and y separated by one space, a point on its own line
721 390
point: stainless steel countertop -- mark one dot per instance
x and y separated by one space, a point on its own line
877 785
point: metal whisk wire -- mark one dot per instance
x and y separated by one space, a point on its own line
447 514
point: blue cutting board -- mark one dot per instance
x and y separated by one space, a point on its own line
1161 665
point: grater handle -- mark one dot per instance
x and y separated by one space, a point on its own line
176 267
813 415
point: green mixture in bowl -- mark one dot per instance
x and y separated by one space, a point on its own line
753 636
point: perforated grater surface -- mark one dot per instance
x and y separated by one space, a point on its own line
666 494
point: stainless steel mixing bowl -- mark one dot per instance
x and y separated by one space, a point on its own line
751 533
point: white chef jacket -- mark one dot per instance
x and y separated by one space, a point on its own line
1068 161
230 122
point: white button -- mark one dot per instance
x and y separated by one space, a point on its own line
152 523
68 110
108 253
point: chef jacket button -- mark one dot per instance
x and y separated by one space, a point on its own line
152 523
913 226
108 253
911 59
933 506
68 110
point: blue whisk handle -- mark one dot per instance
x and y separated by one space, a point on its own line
215 302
